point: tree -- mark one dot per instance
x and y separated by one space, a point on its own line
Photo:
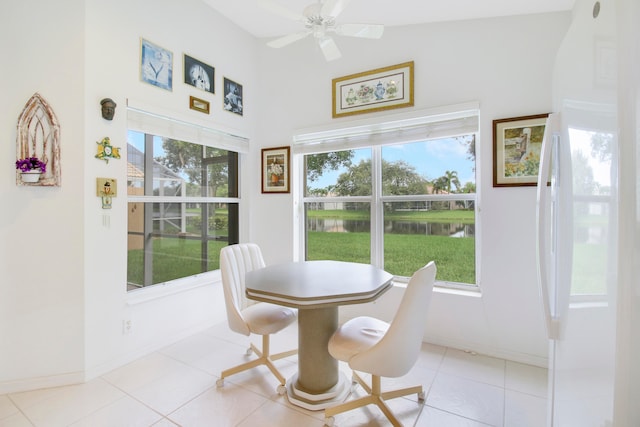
469 187
439 185
451 179
317 164
356 181
186 159
398 178
470 141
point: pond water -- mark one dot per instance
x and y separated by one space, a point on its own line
392 227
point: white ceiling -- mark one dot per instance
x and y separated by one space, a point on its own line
255 19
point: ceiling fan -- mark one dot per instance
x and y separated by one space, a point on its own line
319 20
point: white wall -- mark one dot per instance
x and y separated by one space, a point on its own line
158 315
506 65
66 325
62 308
42 251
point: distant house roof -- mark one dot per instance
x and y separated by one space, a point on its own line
135 166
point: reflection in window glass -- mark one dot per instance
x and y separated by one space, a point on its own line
593 208
176 227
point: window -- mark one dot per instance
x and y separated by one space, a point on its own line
182 208
397 203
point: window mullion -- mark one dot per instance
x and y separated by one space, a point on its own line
377 219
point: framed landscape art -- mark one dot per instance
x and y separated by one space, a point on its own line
517 143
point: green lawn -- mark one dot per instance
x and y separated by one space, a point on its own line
457 216
403 253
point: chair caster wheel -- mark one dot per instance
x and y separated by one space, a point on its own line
220 383
421 397
328 421
282 389
249 352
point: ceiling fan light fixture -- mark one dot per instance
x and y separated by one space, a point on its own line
319 19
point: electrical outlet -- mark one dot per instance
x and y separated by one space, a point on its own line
127 327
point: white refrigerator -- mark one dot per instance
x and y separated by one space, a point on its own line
588 220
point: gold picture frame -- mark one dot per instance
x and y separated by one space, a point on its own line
517 143
374 90
275 170
199 104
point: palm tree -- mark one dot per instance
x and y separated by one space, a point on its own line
451 178
447 181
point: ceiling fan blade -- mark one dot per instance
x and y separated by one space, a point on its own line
278 9
368 31
329 48
288 39
333 8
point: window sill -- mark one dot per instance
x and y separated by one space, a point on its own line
474 293
163 290
446 288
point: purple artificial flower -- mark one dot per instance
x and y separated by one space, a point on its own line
31 163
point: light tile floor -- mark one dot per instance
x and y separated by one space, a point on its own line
176 386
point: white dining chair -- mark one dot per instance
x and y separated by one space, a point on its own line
381 349
248 317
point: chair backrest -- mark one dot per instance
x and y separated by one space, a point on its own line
235 262
396 353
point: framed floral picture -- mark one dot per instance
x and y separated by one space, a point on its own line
374 90
275 170
517 143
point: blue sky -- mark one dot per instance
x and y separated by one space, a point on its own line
431 159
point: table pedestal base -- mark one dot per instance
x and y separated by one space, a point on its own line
316 402
318 383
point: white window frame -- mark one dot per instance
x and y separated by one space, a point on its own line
141 118
437 123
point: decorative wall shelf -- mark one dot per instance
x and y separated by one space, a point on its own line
39 136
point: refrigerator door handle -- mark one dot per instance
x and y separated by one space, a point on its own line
543 222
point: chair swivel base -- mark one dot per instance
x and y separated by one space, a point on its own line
374 397
264 358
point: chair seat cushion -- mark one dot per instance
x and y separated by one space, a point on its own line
355 336
265 319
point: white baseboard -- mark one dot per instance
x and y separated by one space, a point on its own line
36 383
98 370
527 359
27 384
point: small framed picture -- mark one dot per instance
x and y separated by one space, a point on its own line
232 96
275 170
199 104
156 65
517 143
198 74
